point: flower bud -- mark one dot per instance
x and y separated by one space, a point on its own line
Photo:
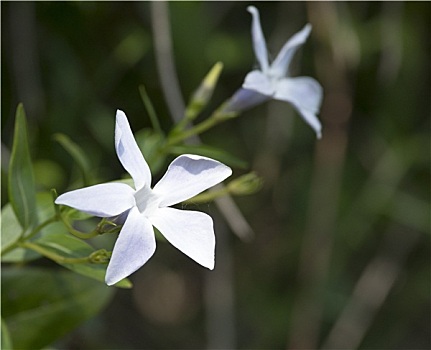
204 92
245 184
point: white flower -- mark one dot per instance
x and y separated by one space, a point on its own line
273 80
190 231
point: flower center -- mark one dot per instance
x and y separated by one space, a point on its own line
146 201
273 74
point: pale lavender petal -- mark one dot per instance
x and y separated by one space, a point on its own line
129 153
190 231
136 243
306 96
259 82
187 176
244 99
281 63
102 200
259 43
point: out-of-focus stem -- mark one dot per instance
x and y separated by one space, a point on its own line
370 292
326 180
165 59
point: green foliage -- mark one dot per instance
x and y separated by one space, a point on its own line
150 109
70 247
41 305
21 180
11 232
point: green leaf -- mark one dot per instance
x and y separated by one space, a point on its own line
69 246
77 154
212 152
19 255
10 232
42 305
20 179
6 342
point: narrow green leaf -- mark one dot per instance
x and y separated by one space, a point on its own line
21 187
77 154
212 152
69 246
150 109
42 305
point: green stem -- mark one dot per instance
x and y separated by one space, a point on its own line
36 230
196 130
77 233
53 256
40 227
7 249
208 123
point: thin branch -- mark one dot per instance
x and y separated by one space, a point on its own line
329 159
370 293
165 59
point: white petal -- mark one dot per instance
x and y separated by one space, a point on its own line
187 176
129 153
102 200
136 243
190 231
259 82
281 63
303 92
259 43
306 96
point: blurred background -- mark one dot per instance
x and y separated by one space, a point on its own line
340 251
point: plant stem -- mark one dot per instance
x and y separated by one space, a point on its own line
77 233
40 227
30 235
208 123
53 256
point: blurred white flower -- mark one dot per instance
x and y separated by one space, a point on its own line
190 231
273 80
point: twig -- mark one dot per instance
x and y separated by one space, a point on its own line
165 59
326 179
370 292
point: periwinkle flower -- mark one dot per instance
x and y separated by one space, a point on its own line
272 80
190 231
